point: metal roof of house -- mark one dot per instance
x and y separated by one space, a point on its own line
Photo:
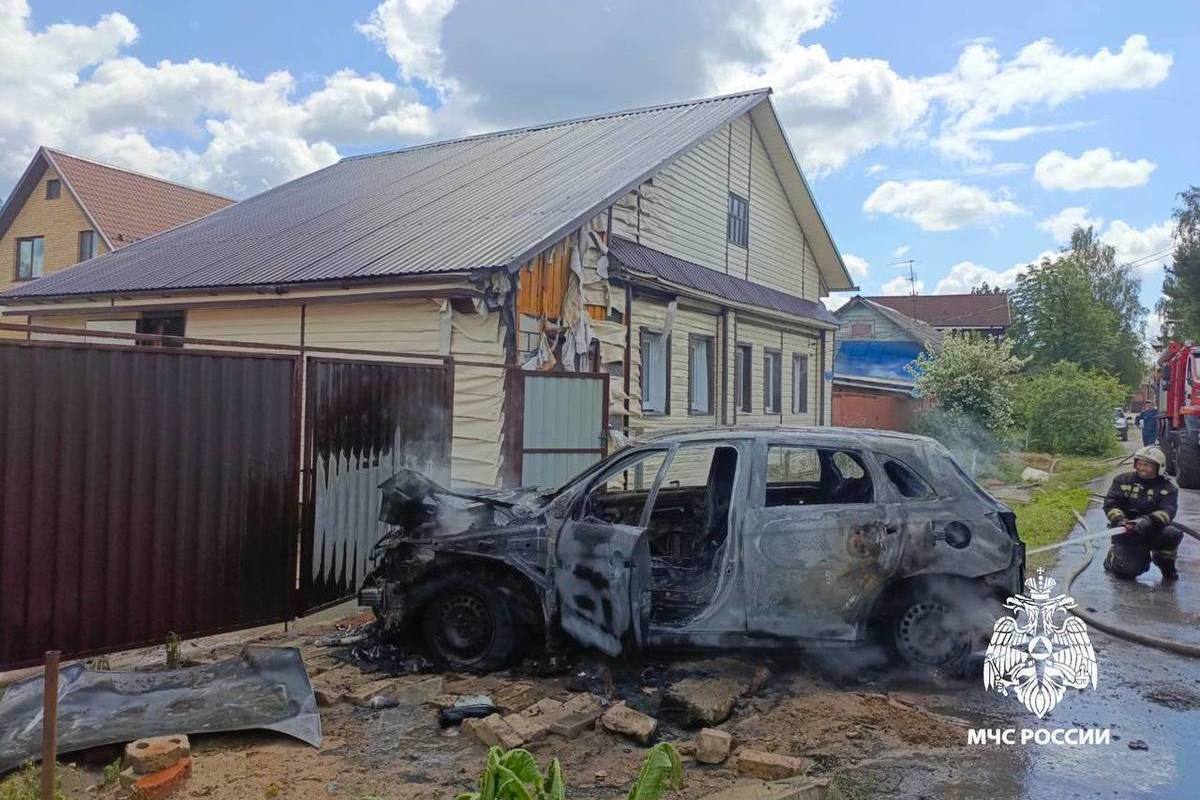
676 271
493 200
921 332
124 206
953 310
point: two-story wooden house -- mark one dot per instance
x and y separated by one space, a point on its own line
677 249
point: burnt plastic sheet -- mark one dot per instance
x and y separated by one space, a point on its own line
263 688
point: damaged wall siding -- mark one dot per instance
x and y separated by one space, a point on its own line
478 399
684 210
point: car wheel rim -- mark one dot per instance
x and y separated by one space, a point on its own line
467 627
923 635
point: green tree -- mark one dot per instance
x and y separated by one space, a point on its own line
971 380
1083 307
983 288
1068 409
1179 305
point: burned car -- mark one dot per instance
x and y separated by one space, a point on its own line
729 538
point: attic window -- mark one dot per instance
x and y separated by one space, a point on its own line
861 329
738 228
53 189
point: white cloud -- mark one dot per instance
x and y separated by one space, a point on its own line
1064 223
938 205
995 170
982 88
1146 248
835 301
1094 169
966 275
901 251
1153 328
875 169
901 285
858 267
411 33
229 133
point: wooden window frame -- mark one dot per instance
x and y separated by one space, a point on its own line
57 193
145 323
743 362
710 366
17 276
778 385
737 220
800 399
666 410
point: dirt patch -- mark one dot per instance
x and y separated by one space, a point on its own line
1180 698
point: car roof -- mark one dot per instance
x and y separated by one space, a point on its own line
854 437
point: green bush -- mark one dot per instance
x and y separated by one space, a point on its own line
1068 409
971 380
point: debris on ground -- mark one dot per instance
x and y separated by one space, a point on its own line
624 721
712 746
708 698
770 766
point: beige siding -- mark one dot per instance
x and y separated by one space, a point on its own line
267 325
683 211
58 221
763 336
882 327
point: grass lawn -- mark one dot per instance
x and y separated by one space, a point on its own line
1048 517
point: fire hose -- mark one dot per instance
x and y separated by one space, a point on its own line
1180 648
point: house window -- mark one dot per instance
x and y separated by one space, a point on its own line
700 374
656 373
738 228
772 380
169 323
53 189
87 244
861 330
799 384
743 378
29 258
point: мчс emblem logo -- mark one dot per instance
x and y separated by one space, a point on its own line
1040 651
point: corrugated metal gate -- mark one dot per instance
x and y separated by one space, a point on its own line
142 491
563 417
363 421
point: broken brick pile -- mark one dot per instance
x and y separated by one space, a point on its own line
155 768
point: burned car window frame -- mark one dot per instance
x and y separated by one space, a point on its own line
613 466
861 456
928 493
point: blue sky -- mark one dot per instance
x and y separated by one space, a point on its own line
954 134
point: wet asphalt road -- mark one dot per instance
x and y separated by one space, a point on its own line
1143 695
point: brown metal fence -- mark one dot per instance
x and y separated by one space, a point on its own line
364 420
143 491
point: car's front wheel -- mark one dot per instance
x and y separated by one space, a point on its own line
469 626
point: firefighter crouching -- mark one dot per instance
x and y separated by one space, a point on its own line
1144 501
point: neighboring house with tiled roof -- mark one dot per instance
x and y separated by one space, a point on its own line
65 209
675 250
987 313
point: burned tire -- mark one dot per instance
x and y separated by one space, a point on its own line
1187 457
923 632
469 626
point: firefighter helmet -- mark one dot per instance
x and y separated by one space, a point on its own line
1153 454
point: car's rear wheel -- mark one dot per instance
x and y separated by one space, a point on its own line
469 626
926 633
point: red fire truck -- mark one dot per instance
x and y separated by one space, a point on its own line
1179 411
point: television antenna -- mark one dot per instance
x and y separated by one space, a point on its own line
912 281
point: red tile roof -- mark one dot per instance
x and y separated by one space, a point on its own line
953 310
128 206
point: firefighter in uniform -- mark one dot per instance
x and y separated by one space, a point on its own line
1144 502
